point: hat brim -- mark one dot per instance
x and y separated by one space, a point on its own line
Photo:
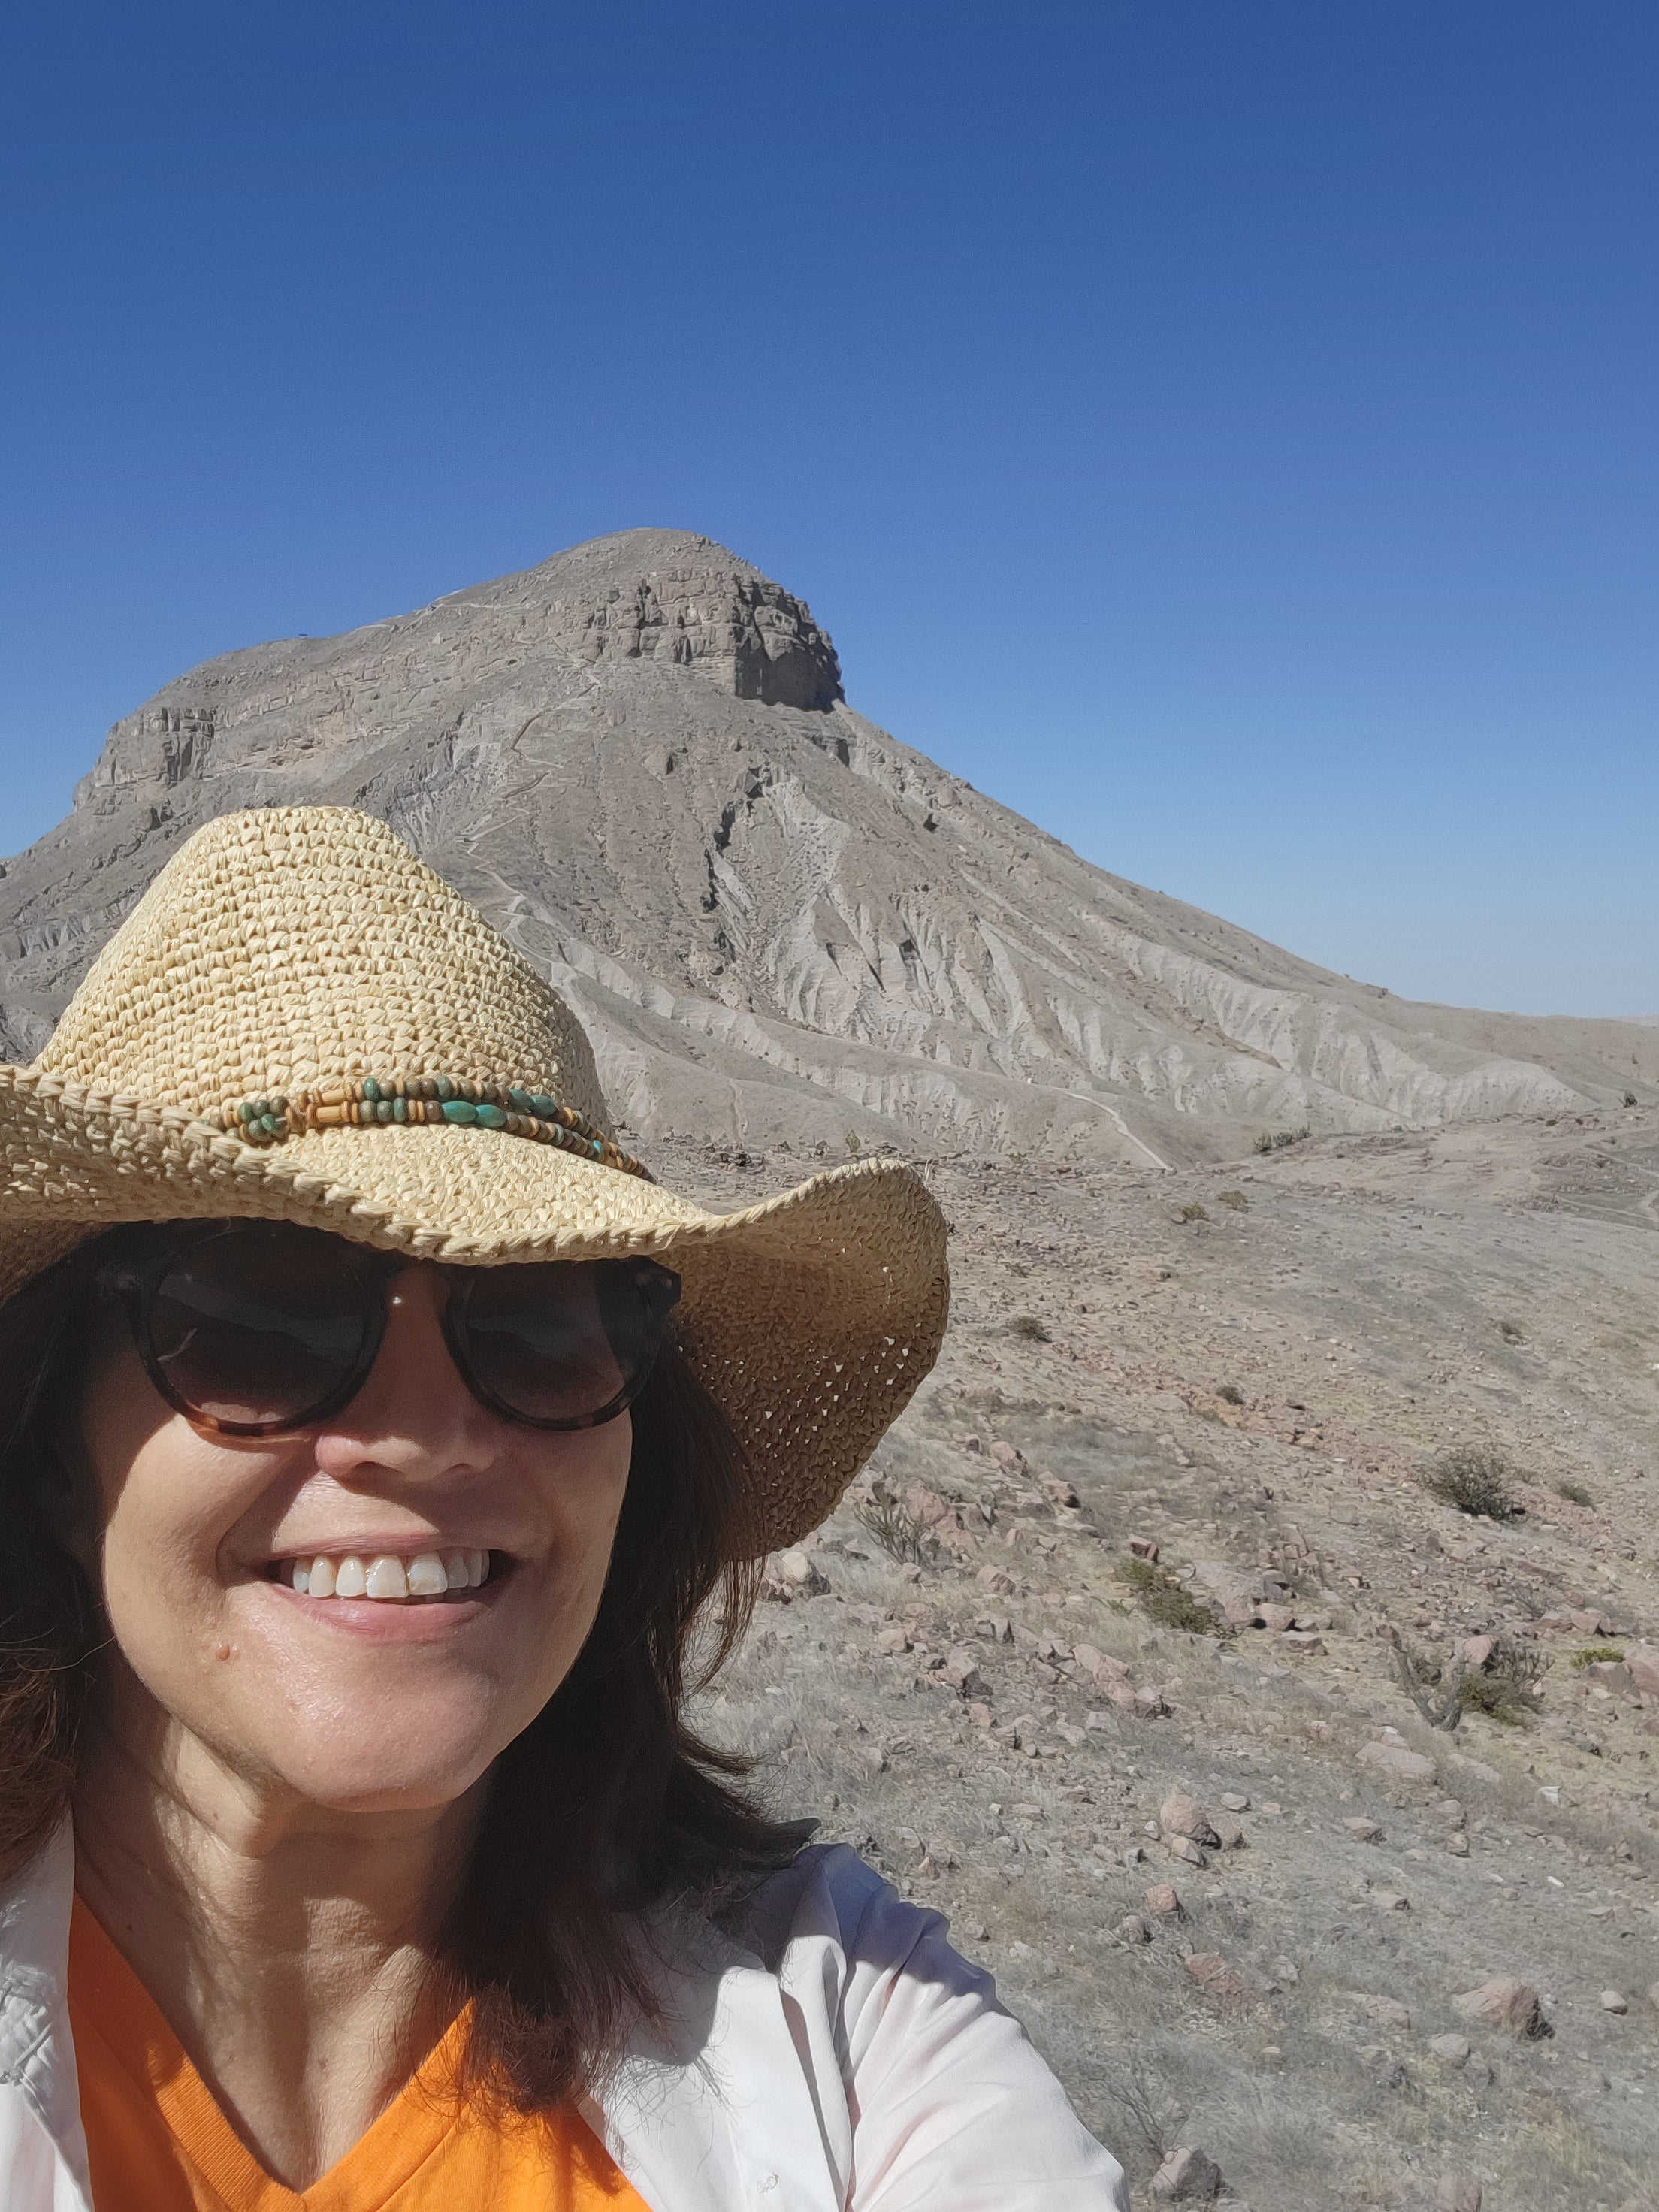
809 1318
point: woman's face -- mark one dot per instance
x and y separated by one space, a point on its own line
352 1702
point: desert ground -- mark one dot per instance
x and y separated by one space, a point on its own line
1252 1367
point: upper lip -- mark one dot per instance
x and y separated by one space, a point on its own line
406 1545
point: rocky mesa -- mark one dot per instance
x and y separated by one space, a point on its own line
780 924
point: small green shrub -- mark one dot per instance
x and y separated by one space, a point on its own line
1161 1598
1475 1481
1592 1655
1029 1326
1575 1493
1191 1211
1230 1392
1234 1200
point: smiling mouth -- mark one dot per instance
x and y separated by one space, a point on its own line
386 1577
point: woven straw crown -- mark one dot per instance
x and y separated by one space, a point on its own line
298 954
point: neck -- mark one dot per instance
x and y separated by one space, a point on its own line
288 1945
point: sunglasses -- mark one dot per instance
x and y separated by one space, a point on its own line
260 1329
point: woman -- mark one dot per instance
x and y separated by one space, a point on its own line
381 1438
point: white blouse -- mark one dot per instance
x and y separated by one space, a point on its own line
832 2055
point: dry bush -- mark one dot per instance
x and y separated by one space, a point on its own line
1475 1480
1505 1688
1575 1493
1191 1211
1234 1200
1161 1598
1230 1392
1275 1140
896 1529
1029 1326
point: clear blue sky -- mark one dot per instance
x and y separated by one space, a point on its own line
1224 430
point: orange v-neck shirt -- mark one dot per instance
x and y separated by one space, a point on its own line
158 2143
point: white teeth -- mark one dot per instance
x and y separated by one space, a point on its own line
388 1577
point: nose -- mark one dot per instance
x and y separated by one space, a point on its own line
414 1418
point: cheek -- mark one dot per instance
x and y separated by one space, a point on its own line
159 1501
582 1483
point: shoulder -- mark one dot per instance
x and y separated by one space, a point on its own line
829 1904
946 2099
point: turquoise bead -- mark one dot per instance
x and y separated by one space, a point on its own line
444 1087
268 1123
520 1101
542 1104
400 1109
383 1110
458 1109
371 1090
245 1111
489 1117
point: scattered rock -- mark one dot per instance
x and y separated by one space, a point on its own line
1457 2195
1133 1929
1449 2050
797 1570
1387 2011
1143 1547
1219 1980
1162 1902
1389 1900
1381 2063
1235 1800
960 1673
1182 1815
1184 1849
1475 1650
1611 2002
1364 1832
1643 1660
1188 2177
1506 2004
1395 1759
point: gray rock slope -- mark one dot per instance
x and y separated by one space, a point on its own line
781 925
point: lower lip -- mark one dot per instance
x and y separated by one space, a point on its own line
394 1620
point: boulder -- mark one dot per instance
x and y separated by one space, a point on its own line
1186 2176
1643 1660
1506 2004
1449 2050
1457 2194
1217 1979
1387 2011
1182 1815
1399 1764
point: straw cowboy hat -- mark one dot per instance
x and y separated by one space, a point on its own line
300 1021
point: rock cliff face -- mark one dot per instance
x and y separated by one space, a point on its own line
780 924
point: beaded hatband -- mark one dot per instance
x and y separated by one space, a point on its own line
367 1100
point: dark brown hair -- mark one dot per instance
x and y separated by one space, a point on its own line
605 1806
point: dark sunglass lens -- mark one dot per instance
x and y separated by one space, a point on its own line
259 1327
557 1342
